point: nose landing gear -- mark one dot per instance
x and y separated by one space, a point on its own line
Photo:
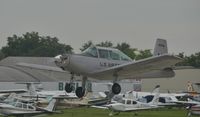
69 87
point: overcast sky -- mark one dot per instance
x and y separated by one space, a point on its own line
137 22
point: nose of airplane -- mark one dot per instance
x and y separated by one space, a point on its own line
62 60
57 58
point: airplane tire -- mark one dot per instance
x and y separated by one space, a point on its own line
80 92
116 88
68 87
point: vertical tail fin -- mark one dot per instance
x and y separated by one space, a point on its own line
10 97
51 106
155 99
160 47
190 87
30 87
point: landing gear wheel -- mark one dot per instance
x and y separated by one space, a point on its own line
68 87
116 88
80 92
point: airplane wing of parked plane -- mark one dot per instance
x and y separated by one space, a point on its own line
13 91
153 67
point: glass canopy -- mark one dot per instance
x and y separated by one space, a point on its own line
107 53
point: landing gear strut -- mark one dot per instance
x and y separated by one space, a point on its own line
69 86
80 91
116 88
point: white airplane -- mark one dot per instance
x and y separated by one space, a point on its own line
133 105
6 93
19 108
111 64
165 99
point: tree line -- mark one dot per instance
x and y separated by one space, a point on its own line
32 44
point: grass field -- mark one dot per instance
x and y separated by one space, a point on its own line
92 112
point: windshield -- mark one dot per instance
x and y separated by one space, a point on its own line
107 53
118 55
91 52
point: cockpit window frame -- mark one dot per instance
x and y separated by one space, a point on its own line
110 51
87 52
100 54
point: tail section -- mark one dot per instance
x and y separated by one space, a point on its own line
190 87
160 47
51 106
30 87
10 97
155 99
191 90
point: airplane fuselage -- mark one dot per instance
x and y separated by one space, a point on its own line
84 65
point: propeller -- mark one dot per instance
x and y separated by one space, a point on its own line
62 60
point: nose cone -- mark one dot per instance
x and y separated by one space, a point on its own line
57 58
62 60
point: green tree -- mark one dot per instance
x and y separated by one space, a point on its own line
144 54
1 55
105 44
31 44
86 45
125 48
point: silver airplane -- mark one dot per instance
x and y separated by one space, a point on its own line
111 64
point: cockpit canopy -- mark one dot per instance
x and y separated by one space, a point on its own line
107 53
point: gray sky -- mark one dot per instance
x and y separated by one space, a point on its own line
137 22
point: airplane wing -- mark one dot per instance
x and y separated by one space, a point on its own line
40 67
153 67
140 109
13 91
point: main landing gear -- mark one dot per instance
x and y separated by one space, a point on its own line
116 88
80 91
69 86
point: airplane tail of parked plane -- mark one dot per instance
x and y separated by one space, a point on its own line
190 87
51 106
30 87
10 97
155 99
160 47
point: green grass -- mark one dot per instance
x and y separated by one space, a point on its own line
92 112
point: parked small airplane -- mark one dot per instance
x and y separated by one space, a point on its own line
5 93
19 108
133 105
111 64
165 99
